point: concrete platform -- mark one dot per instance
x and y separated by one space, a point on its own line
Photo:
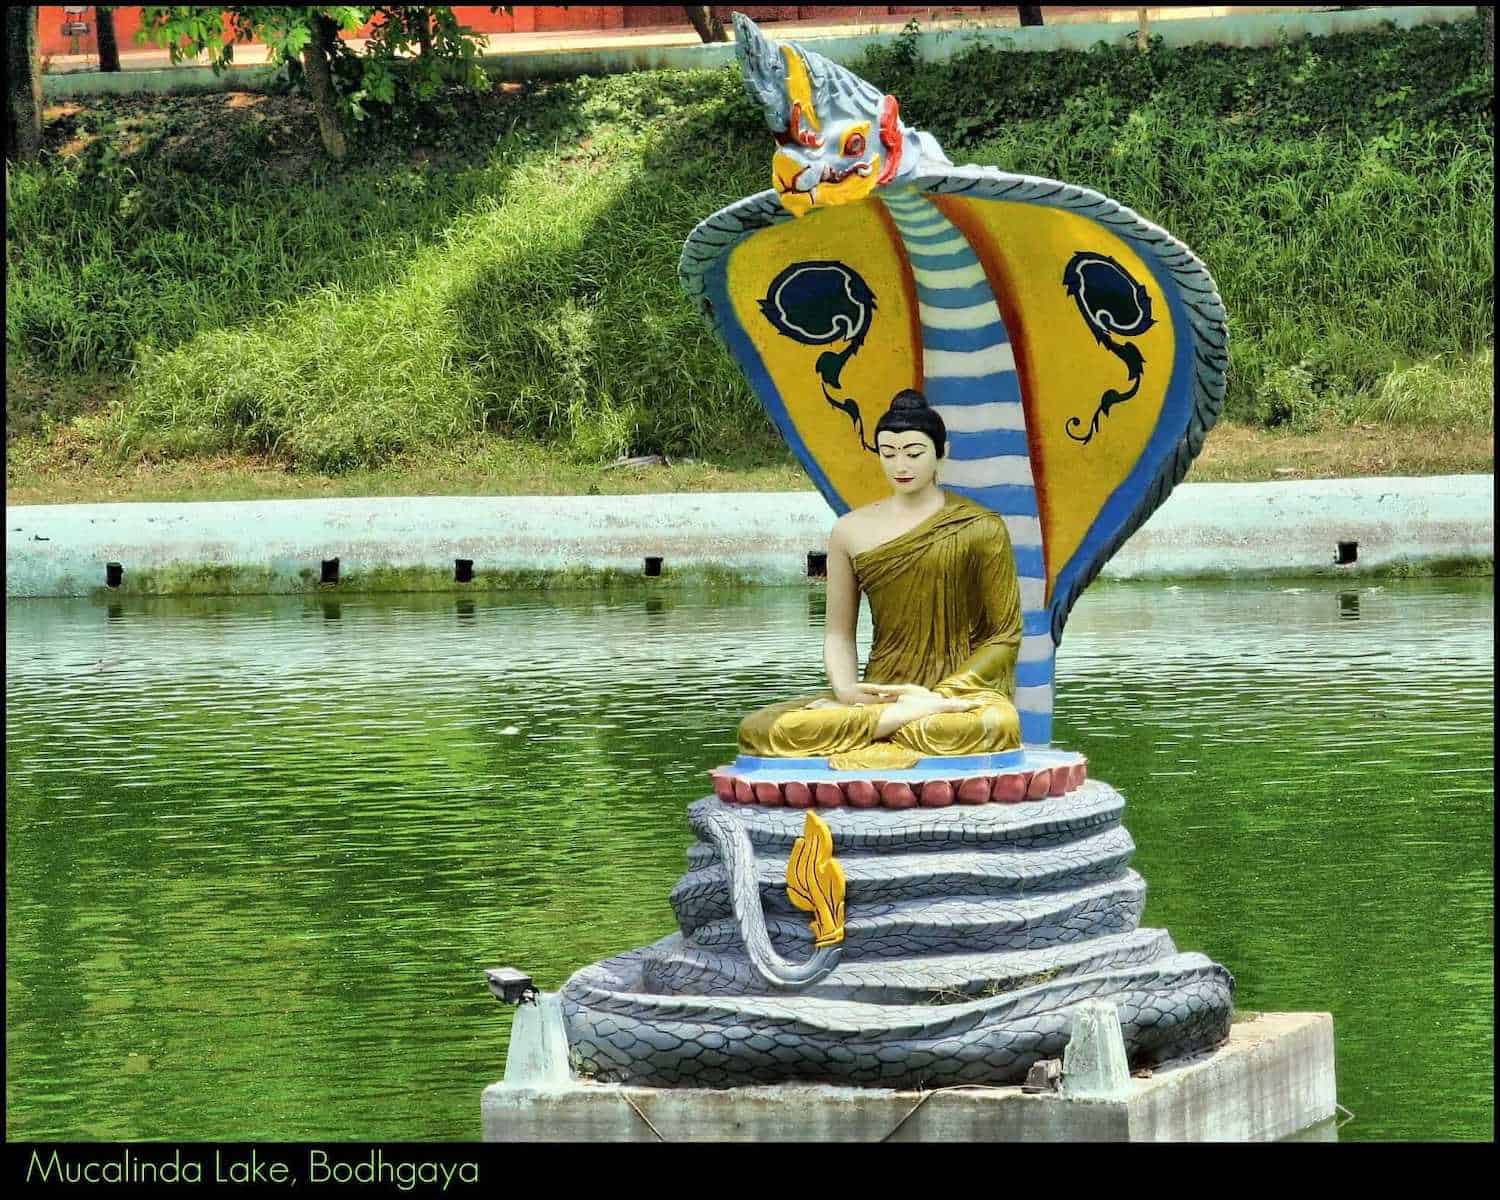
1274 1078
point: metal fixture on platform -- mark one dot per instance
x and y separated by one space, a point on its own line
1044 1076
511 986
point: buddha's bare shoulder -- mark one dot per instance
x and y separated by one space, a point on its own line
860 528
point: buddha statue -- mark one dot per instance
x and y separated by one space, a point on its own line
941 581
1069 358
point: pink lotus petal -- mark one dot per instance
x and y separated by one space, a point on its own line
723 786
798 795
898 795
828 795
1040 785
975 791
862 794
1011 787
936 793
769 794
742 792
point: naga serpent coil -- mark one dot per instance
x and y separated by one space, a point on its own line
971 933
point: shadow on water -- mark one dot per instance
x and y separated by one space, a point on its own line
259 859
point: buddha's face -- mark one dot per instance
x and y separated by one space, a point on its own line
909 459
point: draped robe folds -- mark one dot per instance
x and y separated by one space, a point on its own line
947 613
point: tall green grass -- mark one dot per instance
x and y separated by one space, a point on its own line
523 278
1339 258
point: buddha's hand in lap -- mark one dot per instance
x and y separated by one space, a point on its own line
910 691
930 703
860 693
926 702
917 704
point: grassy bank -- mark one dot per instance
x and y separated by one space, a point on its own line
63 471
187 281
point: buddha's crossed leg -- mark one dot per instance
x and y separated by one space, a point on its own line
993 726
820 727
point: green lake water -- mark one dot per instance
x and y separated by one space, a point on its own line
259 851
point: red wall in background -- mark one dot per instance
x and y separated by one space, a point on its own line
536 18
50 38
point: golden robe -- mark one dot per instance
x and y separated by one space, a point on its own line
947 613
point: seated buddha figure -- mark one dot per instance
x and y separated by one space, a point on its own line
941 581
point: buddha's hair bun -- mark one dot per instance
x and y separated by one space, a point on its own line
909 411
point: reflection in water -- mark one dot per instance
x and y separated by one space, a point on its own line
257 867
817 605
1349 606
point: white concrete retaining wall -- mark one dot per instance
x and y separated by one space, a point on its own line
1205 530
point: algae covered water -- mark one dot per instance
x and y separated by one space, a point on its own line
260 850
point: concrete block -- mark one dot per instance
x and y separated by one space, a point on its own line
538 1055
1279 1081
1094 1063
1273 1078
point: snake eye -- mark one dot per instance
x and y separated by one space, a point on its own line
854 145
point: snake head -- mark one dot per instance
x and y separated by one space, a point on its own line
838 138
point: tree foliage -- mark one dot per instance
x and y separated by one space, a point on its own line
412 55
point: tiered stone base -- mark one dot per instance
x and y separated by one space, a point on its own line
972 931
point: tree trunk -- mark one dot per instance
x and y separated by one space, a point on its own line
316 64
1031 14
23 85
1489 34
423 19
709 27
109 49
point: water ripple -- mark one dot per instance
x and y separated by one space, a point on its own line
260 850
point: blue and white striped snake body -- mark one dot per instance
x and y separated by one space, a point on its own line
969 377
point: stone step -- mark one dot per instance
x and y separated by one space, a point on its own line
671 968
884 878
956 924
